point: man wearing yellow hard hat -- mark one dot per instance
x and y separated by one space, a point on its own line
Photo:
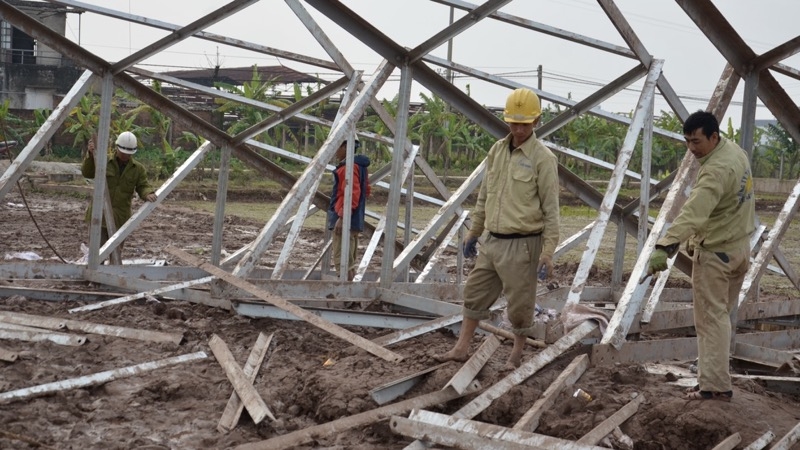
518 206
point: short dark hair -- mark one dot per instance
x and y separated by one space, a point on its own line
701 119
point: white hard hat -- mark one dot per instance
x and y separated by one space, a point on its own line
126 143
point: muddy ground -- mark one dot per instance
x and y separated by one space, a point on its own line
178 407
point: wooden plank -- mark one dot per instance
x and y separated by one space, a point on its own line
55 323
306 435
786 442
8 355
463 378
530 420
313 319
503 435
762 441
523 372
98 378
234 408
729 443
607 426
33 336
247 393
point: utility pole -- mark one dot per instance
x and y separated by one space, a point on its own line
539 76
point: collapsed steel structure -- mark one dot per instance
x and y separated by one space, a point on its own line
632 313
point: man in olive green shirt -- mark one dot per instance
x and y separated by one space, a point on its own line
518 205
717 221
124 176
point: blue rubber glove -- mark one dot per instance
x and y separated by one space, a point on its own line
658 262
469 248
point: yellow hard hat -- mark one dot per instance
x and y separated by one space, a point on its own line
522 106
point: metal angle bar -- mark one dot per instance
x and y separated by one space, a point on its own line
12 326
593 161
338 426
530 420
626 31
43 336
594 99
312 174
760 262
644 188
462 379
456 28
444 214
100 169
219 204
642 351
181 34
201 34
500 81
416 302
17 168
787 441
615 183
729 443
161 193
89 327
546 29
338 317
526 370
786 266
776 55
248 394
291 110
761 355
762 441
393 203
370 250
234 407
130 298
778 340
389 391
786 70
440 250
749 105
503 436
734 49
98 378
607 426
443 435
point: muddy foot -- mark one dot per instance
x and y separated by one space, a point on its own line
452 355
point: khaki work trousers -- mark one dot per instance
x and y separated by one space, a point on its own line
505 266
716 281
337 251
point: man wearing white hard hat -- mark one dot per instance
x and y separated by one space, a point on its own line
124 176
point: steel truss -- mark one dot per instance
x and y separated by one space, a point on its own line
444 229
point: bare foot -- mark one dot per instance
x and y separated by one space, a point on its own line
512 363
452 355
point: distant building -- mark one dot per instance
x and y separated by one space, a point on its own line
32 75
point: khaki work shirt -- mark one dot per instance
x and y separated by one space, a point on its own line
720 212
519 193
121 186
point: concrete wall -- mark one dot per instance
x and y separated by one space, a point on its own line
773 186
16 79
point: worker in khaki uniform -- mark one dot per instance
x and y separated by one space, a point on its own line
518 205
124 176
716 221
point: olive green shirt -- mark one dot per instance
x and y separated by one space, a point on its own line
720 212
121 186
519 193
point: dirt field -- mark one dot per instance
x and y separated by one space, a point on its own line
178 407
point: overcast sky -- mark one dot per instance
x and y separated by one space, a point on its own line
692 64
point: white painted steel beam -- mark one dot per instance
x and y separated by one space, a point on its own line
434 260
100 163
17 167
98 378
615 183
132 297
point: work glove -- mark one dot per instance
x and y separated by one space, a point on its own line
658 261
545 267
469 248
